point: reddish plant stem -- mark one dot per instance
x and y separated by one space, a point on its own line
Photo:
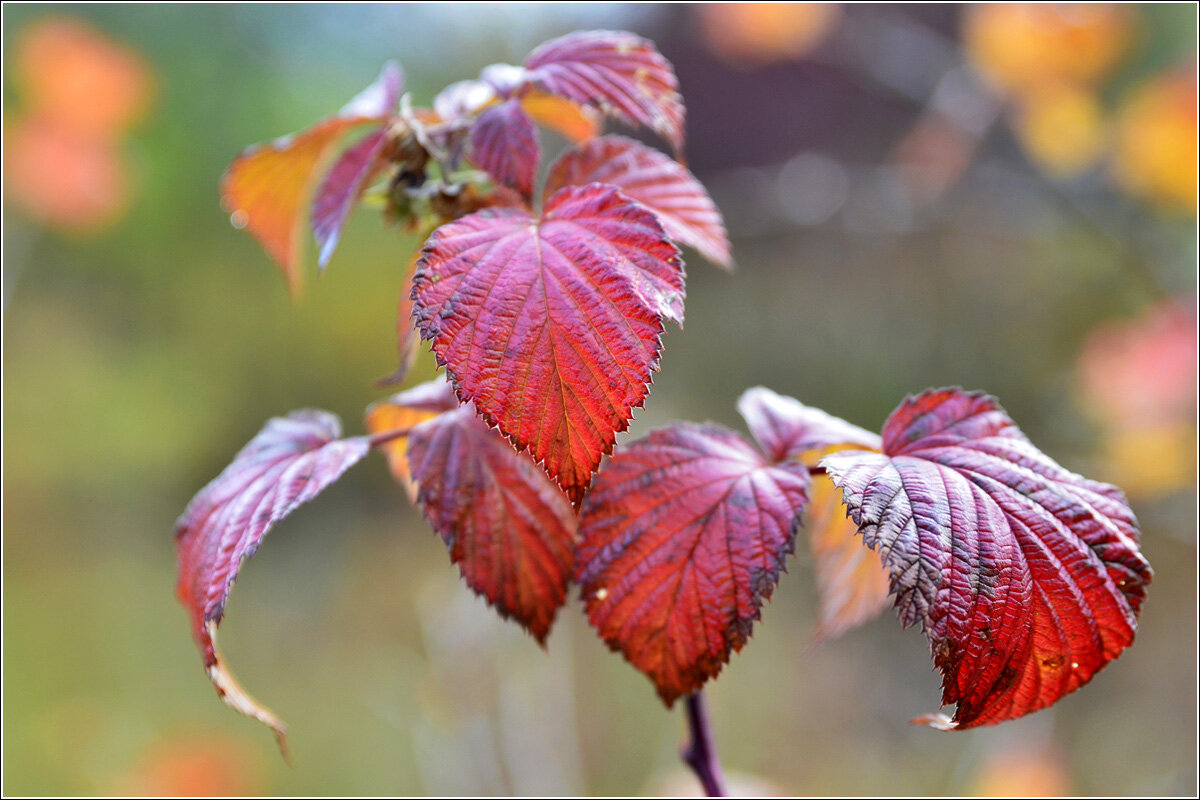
387 436
700 753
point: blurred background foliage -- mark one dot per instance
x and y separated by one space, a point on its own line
1002 197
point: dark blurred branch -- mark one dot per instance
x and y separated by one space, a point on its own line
700 753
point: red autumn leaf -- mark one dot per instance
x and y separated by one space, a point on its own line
852 584
341 189
1026 578
682 539
289 462
661 184
616 72
504 144
509 528
266 188
552 325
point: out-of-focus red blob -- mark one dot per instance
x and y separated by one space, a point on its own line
87 82
1142 370
194 767
63 177
759 33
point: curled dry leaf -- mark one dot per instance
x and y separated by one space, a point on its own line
551 325
267 188
663 185
1026 578
682 539
289 462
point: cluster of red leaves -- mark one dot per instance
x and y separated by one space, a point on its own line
1026 578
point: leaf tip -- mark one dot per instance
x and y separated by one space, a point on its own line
239 699
936 721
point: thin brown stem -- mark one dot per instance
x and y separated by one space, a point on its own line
700 753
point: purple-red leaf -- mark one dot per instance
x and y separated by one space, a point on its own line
504 144
1026 578
616 72
786 428
289 462
509 528
341 189
682 540
266 188
552 325
660 183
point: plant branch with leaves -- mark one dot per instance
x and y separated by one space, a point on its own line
547 312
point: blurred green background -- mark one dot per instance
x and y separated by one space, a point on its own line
918 196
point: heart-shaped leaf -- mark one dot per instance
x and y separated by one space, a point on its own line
289 462
551 325
660 183
504 144
509 528
266 189
615 72
1026 578
682 540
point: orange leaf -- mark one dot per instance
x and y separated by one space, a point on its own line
266 189
851 580
407 410
574 122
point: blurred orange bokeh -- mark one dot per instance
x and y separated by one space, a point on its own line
1019 46
80 94
765 32
63 177
77 76
203 766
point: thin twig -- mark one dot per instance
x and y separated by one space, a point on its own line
700 753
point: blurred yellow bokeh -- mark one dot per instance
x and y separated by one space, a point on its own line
1061 127
1155 144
